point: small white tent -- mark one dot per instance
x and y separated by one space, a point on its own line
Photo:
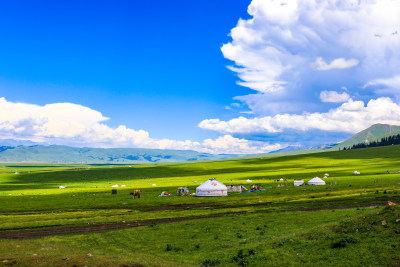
236 188
211 188
356 173
316 181
298 182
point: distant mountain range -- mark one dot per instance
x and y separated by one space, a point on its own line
66 154
305 148
14 153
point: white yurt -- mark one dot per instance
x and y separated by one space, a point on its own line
212 188
316 181
298 182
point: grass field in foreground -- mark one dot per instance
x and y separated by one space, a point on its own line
336 224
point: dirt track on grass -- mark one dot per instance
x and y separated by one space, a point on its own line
98 227
40 232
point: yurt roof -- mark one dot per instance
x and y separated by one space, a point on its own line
316 179
212 183
212 188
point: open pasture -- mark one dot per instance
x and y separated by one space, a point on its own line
84 224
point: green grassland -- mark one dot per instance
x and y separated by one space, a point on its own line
344 223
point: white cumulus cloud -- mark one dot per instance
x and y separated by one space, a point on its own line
77 125
351 117
333 97
339 63
226 143
280 51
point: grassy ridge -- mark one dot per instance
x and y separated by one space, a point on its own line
278 226
369 134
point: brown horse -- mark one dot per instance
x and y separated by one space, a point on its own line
135 193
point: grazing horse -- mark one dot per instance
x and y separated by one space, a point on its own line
135 193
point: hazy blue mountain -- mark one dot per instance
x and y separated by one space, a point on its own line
325 146
290 148
3 148
304 148
368 135
66 154
14 143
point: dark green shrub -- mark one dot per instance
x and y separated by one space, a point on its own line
252 252
210 262
242 258
170 247
343 241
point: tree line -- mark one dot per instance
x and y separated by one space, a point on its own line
386 141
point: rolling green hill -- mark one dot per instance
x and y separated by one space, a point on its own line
66 154
367 135
386 135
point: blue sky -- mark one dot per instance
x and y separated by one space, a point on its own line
153 65
214 76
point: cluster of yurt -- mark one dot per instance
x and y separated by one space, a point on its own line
212 188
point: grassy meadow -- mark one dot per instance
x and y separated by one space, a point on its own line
345 223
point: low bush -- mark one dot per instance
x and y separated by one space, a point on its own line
210 262
343 241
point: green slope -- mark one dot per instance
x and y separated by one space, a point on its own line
280 154
386 135
367 135
65 154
